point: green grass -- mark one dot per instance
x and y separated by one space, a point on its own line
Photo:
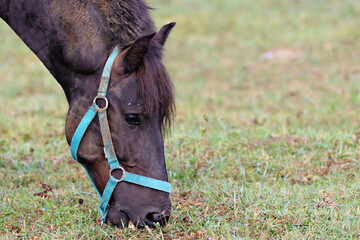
261 148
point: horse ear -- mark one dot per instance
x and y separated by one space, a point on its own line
136 52
162 35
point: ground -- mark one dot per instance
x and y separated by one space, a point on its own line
265 143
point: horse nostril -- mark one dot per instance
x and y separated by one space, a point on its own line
161 218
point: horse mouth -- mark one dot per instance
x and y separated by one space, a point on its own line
141 224
121 220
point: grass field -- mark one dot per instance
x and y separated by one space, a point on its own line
265 144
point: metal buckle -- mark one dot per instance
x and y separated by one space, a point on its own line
101 96
118 168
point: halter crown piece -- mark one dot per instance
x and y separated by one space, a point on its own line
108 145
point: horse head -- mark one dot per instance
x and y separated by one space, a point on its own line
140 106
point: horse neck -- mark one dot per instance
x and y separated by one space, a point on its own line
69 37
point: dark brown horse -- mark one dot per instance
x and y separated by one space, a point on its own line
73 39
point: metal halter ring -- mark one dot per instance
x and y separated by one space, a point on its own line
101 96
118 168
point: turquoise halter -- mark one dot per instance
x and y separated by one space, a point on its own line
108 145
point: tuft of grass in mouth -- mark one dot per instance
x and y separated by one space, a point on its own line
265 144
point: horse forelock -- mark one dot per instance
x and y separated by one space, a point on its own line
156 87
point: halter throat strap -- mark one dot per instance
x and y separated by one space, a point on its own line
114 164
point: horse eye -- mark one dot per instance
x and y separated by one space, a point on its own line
133 119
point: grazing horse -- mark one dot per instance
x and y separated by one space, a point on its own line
106 55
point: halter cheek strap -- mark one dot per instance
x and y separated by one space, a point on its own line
108 145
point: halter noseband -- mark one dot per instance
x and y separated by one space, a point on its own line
108 145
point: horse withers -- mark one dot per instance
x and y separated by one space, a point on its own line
122 149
